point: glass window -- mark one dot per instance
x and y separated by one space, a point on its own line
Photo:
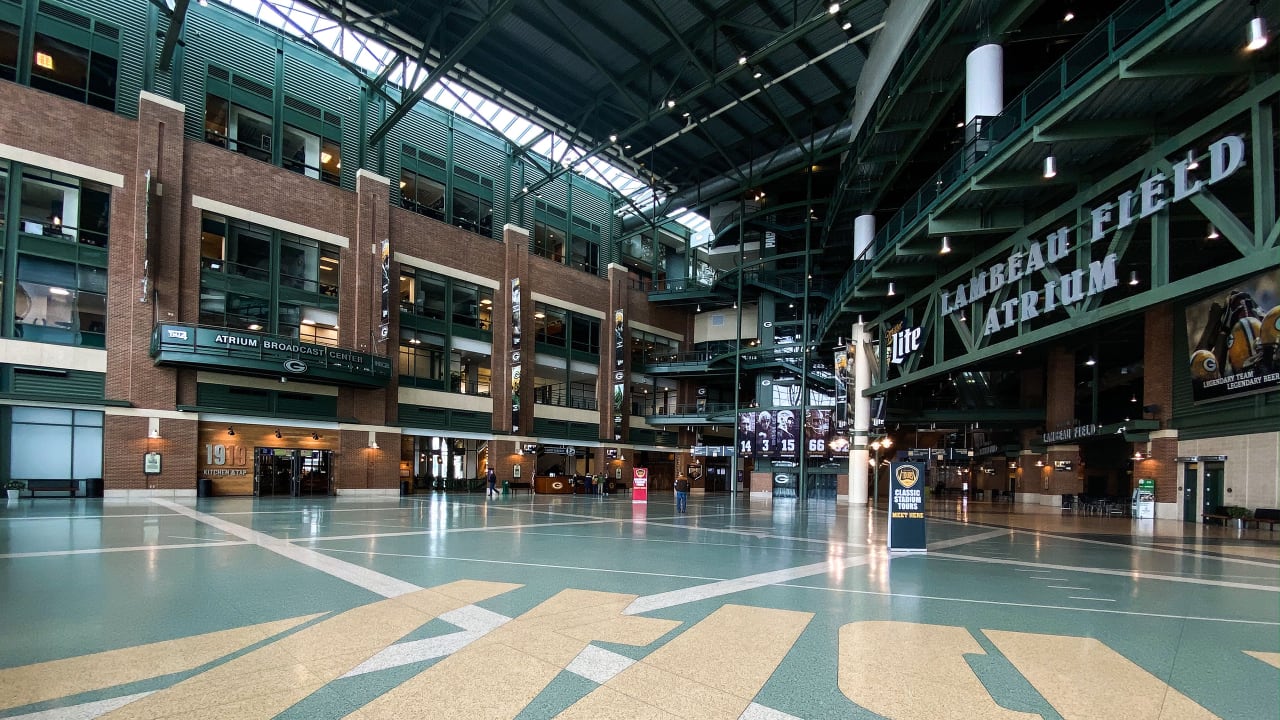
249 133
466 304
45 300
548 241
470 373
65 207
586 255
421 357
213 242
73 72
472 213
300 152
330 161
52 444
318 326
215 120
549 325
586 334
8 51
421 194
434 293
249 251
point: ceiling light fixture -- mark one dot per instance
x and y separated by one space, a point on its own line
278 435
891 293
833 8
1050 164
946 245
742 60
613 138
1137 455
1213 233
847 26
1257 30
1090 362
1069 16
671 104
1192 162
1134 398
757 75
1133 277
231 430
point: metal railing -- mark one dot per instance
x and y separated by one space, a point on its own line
1100 48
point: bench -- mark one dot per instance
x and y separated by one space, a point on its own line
520 486
1270 516
1220 513
66 486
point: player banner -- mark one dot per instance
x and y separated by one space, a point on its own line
1232 338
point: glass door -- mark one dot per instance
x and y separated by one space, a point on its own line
274 471
1212 486
315 472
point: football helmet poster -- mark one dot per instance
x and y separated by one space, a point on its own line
1233 338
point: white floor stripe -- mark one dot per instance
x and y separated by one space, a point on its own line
1067 587
599 665
756 711
1073 597
370 580
1103 571
520 564
672 598
133 548
85 711
1002 603
1147 548
415 651
444 531
1032 577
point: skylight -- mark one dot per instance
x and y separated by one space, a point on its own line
295 18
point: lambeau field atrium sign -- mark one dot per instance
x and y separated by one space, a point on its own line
262 354
1152 195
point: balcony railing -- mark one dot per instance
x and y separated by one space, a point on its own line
1100 48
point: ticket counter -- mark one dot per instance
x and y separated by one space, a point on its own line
553 484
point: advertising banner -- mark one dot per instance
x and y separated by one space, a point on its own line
844 379
906 507
1232 337
619 372
515 355
778 434
640 485
385 327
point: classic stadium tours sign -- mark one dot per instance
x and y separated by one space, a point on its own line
1152 195
906 507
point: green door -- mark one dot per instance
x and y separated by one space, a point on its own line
1190 493
1212 486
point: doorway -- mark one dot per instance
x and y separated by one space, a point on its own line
292 472
1190 493
1213 474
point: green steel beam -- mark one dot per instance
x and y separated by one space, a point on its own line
177 18
1093 130
495 13
977 220
1183 65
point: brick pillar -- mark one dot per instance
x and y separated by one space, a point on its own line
146 211
1060 405
360 314
362 467
1157 391
505 355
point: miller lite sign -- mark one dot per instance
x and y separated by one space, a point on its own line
902 343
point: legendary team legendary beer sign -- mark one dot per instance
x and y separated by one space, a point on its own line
906 507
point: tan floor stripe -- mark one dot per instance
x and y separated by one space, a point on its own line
712 670
62 678
501 673
1083 678
909 670
265 682
1270 658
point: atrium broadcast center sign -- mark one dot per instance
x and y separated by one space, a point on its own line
1226 156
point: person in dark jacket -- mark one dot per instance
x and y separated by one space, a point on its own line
492 477
682 494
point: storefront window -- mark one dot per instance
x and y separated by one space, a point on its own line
55 444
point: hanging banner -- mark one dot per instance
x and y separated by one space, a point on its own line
515 355
906 507
785 438
385 328
640 485
619 372
1234 336
844 378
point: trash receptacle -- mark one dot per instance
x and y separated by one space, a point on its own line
204 487
93 488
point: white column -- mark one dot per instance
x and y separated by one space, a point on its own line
864 231
984 82
858 452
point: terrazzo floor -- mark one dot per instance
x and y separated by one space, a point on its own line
455 606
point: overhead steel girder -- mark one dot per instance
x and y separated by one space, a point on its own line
794 31
973 221
177 18
495 13
1093 130
1183 66
1253 243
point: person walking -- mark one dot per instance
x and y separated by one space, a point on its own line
682 494
492 477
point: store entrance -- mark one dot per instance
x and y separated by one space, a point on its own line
292 472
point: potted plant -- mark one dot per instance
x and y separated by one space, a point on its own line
1239 515
13 487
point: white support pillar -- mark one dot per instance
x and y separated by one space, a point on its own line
858 451
864 231
984 82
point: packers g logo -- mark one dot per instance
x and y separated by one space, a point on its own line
907 476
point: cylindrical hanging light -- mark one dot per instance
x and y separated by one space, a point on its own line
1257 31
1213 232
1050 164
891 293
946 245
1133 277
